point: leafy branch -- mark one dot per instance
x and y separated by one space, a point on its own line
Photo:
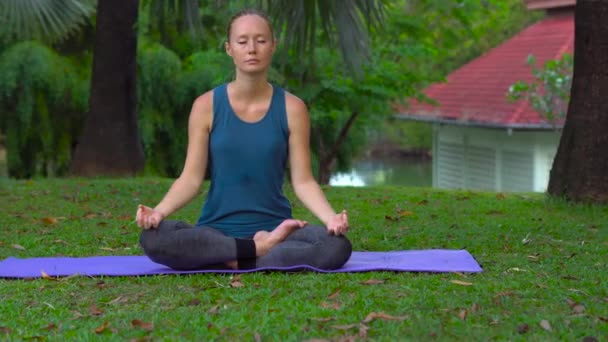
549 93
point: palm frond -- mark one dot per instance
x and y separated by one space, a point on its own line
346 23
46 20
164 12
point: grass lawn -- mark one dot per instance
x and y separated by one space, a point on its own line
545 265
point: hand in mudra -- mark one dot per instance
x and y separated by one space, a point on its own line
338 224
147 217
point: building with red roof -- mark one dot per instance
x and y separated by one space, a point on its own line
481 140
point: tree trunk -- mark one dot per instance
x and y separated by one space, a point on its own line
110 143
326 160
580 168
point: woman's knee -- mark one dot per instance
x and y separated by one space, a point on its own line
150 240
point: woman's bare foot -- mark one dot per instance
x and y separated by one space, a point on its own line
264 240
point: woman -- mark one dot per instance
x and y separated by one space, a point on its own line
247 131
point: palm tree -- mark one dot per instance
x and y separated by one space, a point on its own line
47 20
110 142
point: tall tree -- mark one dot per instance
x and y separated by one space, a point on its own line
110 143
580 167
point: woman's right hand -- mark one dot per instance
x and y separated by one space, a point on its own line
147 217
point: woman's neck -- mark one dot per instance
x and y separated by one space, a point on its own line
249 87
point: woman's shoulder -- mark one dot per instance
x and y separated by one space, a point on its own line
294 104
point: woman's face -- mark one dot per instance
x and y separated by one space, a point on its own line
251 44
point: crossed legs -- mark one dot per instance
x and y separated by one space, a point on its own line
179 245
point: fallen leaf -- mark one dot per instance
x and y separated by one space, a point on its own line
578 308
214 309
107 249
51 326
18 246
381 315
463 314
363 330
460 282
390 218
102 224
257 337
95 311
100 329
143 325
500 196
5 330
405 213
49 220
345 327
90 215
236 281
569 277
523 328
334 295
372 282
194 302
101 285
45 275
324 319
545 325
423 202
119 299
334 306
603 319
475 307
1 243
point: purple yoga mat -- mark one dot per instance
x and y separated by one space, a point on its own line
433 260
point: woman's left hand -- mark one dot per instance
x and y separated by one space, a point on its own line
338 224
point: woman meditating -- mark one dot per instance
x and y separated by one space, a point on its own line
246 131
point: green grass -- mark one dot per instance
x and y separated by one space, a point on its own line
543 260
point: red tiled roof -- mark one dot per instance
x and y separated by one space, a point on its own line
476 92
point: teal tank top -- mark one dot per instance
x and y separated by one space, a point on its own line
247 163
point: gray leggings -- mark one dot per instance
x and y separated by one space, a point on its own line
181 246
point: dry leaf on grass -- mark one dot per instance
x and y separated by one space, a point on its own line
236 281
381 315
334 294
5 330
95 311
194 302
51 326
323 320
372 282
327 305
49 220
18 246
460 282
545 325
257 337
345 327
46 276
100 329
523 328
463 314
143 325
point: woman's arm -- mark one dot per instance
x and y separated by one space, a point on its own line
304 184
187 185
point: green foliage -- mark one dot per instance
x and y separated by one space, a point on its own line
549 93
167 88
42 100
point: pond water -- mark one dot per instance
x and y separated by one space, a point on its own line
415 172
